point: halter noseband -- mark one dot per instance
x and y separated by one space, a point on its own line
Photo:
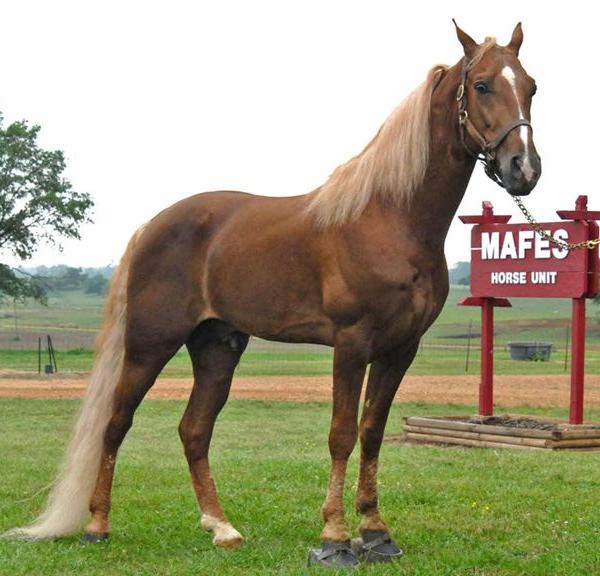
488 149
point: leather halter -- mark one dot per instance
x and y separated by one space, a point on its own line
487 155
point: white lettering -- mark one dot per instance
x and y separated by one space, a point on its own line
509 249
548 277
563 235
542 247
490 245
525 241
508 277
522 245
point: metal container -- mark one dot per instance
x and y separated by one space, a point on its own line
530 350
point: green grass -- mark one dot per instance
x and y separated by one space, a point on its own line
455 511
75 316
78 311
70 309
536 318
281 363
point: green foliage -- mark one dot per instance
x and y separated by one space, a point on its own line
19 286
63 278
96 284
460 274
73 278
37 204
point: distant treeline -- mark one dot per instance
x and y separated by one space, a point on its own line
95 280
460 274
57 278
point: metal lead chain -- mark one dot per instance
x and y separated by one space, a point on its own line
589 244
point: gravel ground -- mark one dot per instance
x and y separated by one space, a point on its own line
540 390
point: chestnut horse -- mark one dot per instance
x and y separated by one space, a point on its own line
357 264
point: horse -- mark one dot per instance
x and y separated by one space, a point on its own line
357 264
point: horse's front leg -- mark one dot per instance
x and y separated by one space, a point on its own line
349 365
385 375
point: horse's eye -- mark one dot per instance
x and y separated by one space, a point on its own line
482 87
533 90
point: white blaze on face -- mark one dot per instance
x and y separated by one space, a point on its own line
509 74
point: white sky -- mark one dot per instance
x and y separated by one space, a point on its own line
154 101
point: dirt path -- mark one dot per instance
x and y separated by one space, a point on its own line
540 390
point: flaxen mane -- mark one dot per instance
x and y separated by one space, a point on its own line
392 165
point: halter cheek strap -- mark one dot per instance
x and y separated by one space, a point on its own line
487 153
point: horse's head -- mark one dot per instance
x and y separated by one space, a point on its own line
494 101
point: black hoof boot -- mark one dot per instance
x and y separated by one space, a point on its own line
376 546
94 537
334 555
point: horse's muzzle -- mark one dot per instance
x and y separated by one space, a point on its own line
520 173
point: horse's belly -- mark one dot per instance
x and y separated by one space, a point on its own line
268 288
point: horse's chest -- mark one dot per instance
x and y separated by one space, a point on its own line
401 309
409 308
394 308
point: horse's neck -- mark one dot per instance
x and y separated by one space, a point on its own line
434 204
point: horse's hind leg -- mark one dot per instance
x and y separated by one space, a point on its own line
137 377
157 326
215 349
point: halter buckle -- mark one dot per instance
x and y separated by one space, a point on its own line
463 115
460 92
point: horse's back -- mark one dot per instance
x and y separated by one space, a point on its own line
249 260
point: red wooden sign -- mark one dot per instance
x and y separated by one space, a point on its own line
512 260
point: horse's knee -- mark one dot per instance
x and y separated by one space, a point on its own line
195 439
342 441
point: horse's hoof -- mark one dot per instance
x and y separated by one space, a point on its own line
333 555
376 546
94 537
230 541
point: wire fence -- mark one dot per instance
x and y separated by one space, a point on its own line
440 352
26 338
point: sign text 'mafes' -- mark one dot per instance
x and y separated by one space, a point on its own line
512 260
522 244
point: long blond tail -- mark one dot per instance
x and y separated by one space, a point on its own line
68 502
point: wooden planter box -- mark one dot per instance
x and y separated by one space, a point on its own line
502 432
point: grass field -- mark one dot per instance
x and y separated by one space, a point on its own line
71 309
72 319
457 511
539 318
294 363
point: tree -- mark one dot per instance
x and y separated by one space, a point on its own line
460 274
37 204
71 279
19 286
95 284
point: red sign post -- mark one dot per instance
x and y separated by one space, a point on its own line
513 260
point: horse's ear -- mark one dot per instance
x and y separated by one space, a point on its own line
467 42
516 39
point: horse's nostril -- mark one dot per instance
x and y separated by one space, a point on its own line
516 165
